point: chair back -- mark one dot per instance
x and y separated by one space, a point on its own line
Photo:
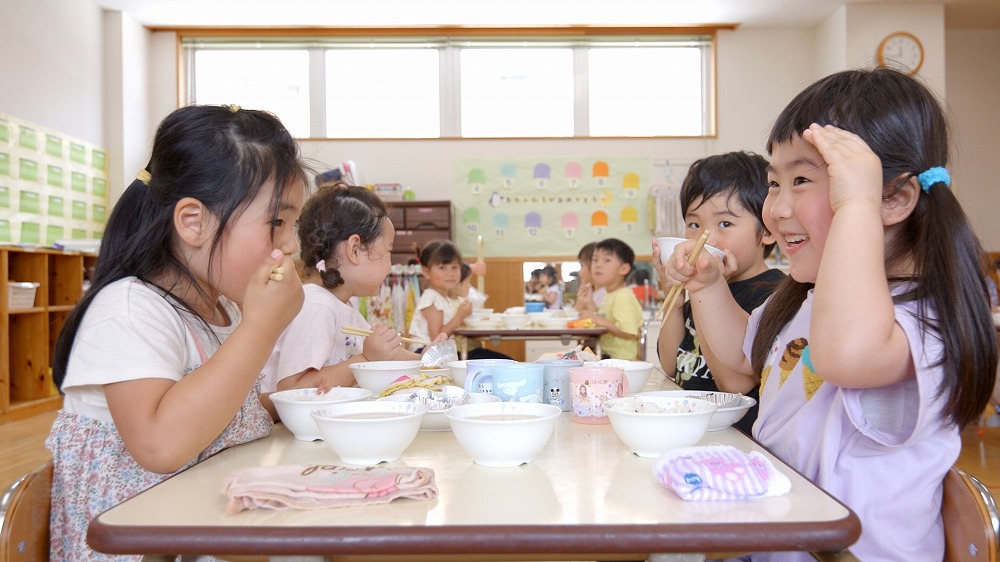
24 517
971 519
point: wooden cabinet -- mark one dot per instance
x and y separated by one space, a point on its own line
417 223
29 333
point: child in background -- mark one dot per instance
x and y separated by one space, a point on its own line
550 289
725 194
346 239
159 361
588 297
441 266
465 292
879 347
620 311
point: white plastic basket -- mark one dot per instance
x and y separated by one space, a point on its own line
21 295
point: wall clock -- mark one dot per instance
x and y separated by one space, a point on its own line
902 51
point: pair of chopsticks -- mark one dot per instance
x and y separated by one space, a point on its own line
675 290
352 331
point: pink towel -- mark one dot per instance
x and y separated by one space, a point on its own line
321 486
719 472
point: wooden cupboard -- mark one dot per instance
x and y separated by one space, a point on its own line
29 334
416 224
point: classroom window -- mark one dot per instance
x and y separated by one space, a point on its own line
507 86
276 80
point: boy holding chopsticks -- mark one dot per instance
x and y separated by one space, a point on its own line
725 194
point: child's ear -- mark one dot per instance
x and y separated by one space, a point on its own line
351 249
193 222
766 238
897 207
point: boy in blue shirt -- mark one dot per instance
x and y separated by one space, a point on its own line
620 311
724 194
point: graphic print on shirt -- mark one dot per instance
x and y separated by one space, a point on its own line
691 364
793 351
797 349
810 380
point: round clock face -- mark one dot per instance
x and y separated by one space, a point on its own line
901 51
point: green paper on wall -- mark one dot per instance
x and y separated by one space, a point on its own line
30 202
57 206
77 152
100 187
100 213
55 176
4 164
5 234
79 234
98 159
78 181
54 233
4 135
4 196
79 210
29 170
28 138
31 232
54 145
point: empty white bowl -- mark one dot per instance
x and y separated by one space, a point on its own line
458 372
537 317
503 434
682 422
368 433
487 323
434 419
377 375
514 321
667 248
723 417
294 406
554 323
637 372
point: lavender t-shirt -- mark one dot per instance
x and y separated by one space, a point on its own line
883 452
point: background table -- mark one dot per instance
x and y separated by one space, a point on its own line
584 495
566 335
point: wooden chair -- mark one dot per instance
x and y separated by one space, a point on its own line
971 519
24 517
971 522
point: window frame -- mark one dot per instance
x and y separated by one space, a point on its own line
319 40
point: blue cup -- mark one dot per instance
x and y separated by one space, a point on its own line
534 306
514 382
474 367
555 382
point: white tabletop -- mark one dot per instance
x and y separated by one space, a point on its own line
583 493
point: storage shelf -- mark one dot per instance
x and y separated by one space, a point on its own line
416 224
29 334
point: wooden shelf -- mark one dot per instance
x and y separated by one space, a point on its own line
29 335
416 224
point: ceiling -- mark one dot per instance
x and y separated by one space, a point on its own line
959 14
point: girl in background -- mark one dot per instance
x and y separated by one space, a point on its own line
441 266
550 289
879 347
346 239
159 362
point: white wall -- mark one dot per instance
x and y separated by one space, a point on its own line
973 61
52 67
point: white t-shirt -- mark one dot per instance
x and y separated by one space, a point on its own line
315 338
418 325
137 330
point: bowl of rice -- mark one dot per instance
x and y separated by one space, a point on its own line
652 425
294 406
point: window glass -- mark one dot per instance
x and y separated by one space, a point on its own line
517 92
646 92
272 80
382 93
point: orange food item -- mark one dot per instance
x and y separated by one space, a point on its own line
582 324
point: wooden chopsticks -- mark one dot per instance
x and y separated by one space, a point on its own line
352 331
675 290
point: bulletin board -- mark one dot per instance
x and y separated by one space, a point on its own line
52 187
550 206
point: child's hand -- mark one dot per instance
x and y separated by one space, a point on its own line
464 310
706 270
659 266
383 344
855 171
274 294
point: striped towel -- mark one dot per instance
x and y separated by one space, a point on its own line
719 472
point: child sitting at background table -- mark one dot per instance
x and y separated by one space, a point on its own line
441 266
346 246
879 347
725 194
550 289
466 292
588 297
620 311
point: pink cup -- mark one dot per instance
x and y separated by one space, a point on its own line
591 387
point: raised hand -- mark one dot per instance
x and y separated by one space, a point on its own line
274 294
855 171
